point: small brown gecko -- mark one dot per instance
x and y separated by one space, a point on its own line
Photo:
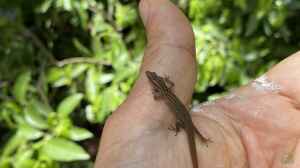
162 88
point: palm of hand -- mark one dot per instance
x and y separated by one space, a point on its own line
269 120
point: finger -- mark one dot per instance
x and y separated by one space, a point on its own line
168 52
170 49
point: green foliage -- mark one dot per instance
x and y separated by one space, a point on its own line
60 149
67 64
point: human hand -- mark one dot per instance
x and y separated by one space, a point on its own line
257 126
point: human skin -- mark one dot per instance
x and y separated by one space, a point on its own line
255 128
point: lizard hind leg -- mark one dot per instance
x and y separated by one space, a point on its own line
176 128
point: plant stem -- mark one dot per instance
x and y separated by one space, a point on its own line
77 60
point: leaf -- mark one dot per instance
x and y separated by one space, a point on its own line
78 134
106 78
58 77
65 4
28 132
21 86
34 118
81 48
77 70
40 107
64 81
24 160
63 126
252 24
13 143
43 8
69 104
60 149
125 15
55 74
90 114
91 88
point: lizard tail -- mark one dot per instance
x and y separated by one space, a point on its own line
193 150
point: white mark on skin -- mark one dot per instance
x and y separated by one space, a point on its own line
199 107
230 96
234 97
264 84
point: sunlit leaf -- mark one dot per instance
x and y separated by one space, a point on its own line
105 78
90 114
78 134
60 149
34 118
44 6
125 15
69 104
78 70
63 126
55 74
62 82
21 86
91 84
41 107
11 145
28 132
24 160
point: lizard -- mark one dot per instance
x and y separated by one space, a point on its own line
162 89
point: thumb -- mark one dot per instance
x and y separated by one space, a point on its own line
171 48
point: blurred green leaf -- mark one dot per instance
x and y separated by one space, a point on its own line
34 118
78 70
79 134
125 15
91 85
24 160
60 149
21 86
44 7
55 74
81 48
69 104
65 4
28 132
41 107
11 145
252 24
106 78
63 126
90 114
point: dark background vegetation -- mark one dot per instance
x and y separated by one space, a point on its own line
65 65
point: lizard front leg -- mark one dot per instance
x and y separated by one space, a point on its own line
169 83
157 94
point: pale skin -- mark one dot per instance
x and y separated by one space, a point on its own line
258 129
